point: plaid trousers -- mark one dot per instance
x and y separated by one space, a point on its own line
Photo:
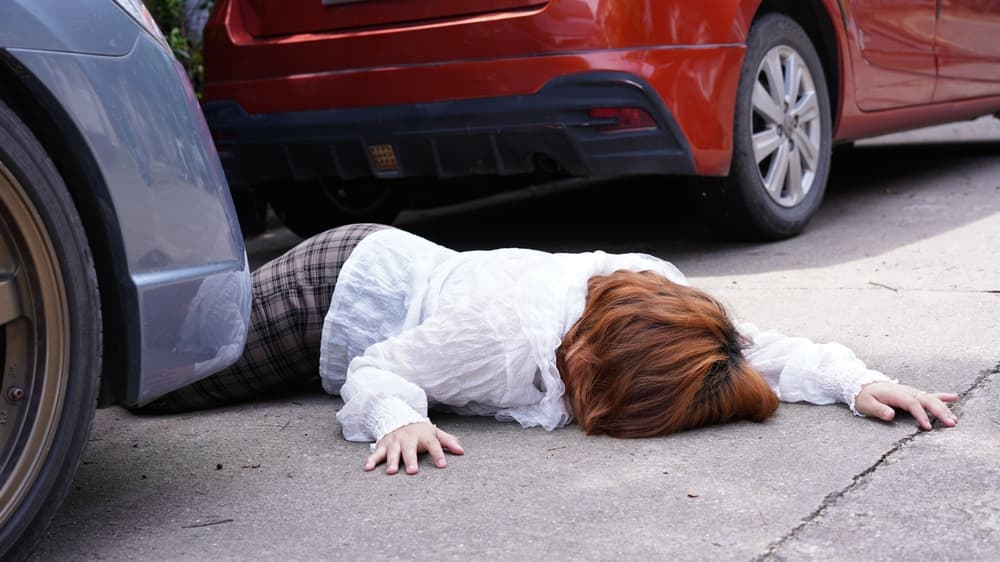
291 296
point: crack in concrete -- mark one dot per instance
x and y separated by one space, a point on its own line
833 497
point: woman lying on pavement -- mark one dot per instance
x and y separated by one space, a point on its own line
395 324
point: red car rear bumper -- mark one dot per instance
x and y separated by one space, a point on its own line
504 135
692 72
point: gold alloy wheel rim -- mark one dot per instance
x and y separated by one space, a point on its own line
34 344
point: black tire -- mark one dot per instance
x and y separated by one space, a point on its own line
740 205
251 210
50 338
311 207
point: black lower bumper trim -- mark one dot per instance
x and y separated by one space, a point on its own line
502 135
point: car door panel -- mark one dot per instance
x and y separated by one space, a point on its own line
897 47
968 49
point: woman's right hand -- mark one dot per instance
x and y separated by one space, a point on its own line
878 399
408 442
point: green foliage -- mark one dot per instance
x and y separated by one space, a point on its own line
173 17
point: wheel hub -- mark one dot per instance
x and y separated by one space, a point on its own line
788 125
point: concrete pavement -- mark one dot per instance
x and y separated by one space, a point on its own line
901 265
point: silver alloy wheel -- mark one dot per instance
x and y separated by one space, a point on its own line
34 344
786 126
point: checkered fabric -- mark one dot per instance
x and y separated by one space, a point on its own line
291 295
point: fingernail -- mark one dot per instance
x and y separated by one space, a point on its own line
442 463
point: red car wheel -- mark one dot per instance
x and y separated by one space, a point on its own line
310 207
782 137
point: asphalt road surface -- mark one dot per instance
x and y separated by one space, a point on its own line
901 265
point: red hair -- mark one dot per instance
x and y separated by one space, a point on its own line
650 357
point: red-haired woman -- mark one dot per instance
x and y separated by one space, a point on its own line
394 323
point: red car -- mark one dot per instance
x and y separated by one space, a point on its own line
317 105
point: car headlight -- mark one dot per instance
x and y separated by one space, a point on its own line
139 13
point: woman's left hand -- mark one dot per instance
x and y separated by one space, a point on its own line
410 440
878 399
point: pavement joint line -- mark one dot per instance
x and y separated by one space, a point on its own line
977 384
833 497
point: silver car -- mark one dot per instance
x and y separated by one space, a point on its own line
123 274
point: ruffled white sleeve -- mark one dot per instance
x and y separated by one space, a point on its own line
458 356
377 402
799 370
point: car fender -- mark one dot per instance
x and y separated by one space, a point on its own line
107 30
131 189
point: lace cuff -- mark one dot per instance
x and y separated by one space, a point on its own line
390 413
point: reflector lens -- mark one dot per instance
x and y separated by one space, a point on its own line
383 157
626 119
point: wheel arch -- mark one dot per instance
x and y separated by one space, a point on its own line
62 140
815 18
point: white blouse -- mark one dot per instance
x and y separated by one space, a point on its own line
413 324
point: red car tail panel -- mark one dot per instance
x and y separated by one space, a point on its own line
266 18
559 26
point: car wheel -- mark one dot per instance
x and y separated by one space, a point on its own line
50 338
782 137
251 210
310 207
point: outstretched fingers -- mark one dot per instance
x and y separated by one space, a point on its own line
934 402
376 458
945 396
390 452
880 398
410 458
868 405
392 457
405 444
450 442
436 445
921 405
915 406
436 453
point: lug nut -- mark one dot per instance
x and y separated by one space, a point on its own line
15 393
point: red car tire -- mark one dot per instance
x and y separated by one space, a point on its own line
310 207
782 138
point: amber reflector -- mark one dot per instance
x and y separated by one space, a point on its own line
383 157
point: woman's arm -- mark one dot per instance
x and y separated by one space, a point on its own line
383 407
377 402
799 370
457 356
